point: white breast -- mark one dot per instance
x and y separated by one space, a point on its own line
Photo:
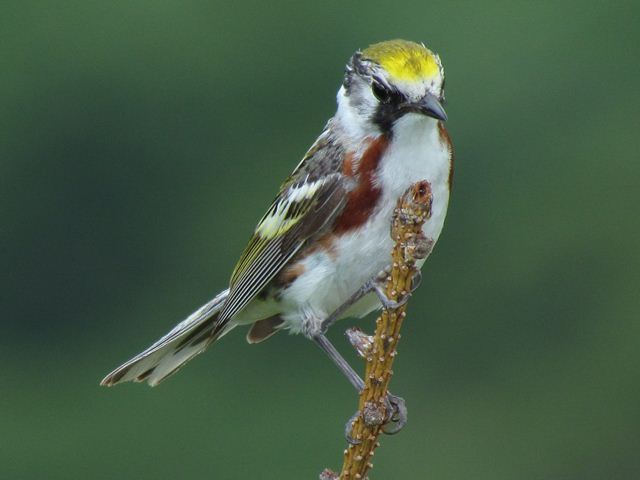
416 153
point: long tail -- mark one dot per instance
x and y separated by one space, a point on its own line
165 357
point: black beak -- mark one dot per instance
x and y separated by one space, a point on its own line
431 106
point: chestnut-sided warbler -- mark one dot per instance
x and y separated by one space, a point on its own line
316 255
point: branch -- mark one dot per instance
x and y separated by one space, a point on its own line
413 209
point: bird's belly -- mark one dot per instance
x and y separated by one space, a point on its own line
331 277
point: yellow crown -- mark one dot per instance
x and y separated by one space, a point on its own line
403 60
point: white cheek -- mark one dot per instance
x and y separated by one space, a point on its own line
356 123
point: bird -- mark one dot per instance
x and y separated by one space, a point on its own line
319 253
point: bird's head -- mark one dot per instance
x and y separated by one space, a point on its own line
388 80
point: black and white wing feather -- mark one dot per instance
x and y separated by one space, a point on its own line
302 209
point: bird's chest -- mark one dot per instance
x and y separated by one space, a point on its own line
415 152
360 244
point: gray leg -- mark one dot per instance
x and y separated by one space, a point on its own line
395 406
373 285
323 342
357 295
354 379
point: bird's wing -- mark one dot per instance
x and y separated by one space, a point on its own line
307 204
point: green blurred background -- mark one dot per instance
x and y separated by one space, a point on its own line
141 141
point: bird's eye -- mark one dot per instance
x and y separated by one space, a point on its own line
381 92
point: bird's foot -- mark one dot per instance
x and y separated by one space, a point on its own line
387 303
349 427
392 414
396 414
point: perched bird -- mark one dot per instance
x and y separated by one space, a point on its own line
316 255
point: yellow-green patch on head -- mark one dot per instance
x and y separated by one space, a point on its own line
404 60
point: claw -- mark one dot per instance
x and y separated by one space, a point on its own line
387 303
416 281
398 417
348 427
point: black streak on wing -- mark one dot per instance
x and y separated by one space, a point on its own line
328 201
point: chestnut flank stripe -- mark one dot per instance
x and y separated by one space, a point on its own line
363 198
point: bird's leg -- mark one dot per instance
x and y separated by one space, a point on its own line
368 287
395 406
354 379
372 285
323 342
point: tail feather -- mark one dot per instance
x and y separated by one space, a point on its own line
165 357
